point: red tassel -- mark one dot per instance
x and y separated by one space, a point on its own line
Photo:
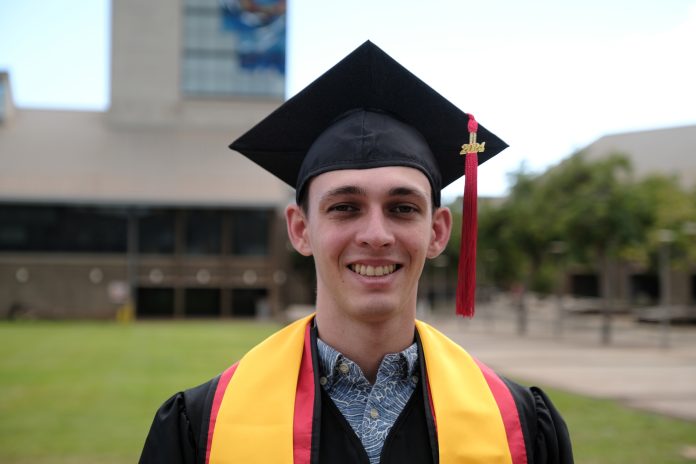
466 279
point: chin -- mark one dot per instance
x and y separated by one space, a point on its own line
378 311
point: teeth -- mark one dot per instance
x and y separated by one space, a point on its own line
371 271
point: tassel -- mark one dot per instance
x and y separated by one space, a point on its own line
466 278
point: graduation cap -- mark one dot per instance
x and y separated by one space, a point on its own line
369 111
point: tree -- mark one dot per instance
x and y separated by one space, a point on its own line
670 208
602 216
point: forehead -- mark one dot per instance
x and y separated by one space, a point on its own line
371 182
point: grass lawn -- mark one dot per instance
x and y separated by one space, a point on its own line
604 432
86 392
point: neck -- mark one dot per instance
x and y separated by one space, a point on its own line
366 342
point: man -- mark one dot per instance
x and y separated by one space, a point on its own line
368 147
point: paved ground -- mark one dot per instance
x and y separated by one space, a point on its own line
643 367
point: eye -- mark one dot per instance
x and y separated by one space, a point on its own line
404 209
343 208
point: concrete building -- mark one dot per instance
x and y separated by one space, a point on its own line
668 151
147 196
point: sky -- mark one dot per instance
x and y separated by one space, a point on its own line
548 77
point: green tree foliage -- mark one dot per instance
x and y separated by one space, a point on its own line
673 210
580 211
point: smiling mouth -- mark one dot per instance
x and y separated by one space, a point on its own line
373 271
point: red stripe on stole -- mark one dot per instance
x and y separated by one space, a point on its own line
217 400
508 412
304 406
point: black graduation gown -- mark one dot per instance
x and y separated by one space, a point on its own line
179 432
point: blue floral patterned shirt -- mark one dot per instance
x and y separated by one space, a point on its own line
371 410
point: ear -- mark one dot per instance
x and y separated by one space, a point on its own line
298 229
442 228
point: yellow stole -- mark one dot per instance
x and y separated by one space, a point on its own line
255 420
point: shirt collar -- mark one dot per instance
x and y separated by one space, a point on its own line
331 359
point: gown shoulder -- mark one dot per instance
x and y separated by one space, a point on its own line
546 435
178 434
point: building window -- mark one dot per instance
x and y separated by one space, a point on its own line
249 302
157 232
203 232
250 232
202 302
233 47
645 289
62 229
155 302
585 285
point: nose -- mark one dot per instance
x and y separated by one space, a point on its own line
375 230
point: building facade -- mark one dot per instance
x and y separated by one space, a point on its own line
143 207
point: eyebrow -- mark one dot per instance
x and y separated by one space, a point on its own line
407 191
344 190
355 190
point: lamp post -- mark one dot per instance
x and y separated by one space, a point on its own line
665 237
608 292
689 230
558 249
438 284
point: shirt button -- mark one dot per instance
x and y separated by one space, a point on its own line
323 380
414 379
343 367
374 413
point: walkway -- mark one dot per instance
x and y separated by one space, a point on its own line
634 369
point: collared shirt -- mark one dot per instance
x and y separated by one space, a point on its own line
371 410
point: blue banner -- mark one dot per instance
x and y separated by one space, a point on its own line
259 26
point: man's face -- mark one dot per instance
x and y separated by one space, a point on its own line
369 231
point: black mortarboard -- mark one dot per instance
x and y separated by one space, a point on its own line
369 111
